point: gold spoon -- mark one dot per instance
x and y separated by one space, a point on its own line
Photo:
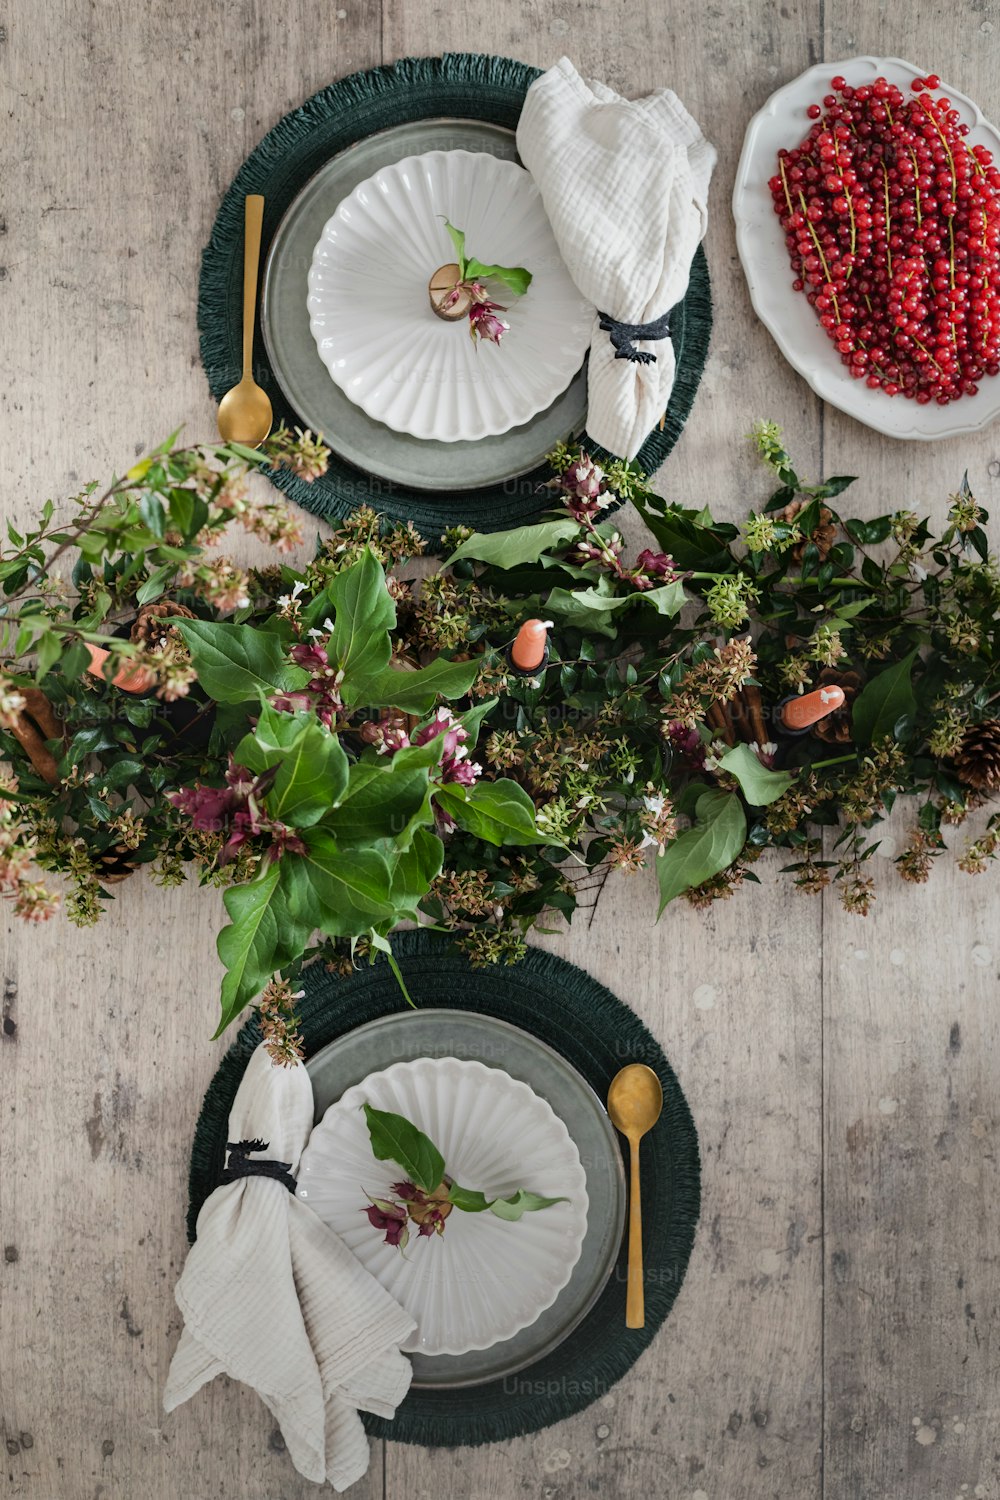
245 414
635 1100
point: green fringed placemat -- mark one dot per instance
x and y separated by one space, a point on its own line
462 85
598 1034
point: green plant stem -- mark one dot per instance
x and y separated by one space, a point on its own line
837 760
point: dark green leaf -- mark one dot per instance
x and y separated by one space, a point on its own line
883 701
837 485
383 798
155 584
413 871
711 844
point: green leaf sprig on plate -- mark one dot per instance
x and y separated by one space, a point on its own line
427 1195
472 273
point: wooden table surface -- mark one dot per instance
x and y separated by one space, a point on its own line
836 1335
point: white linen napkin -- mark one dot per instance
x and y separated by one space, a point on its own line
274 1298
625 185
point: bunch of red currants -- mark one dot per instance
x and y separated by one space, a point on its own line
892 223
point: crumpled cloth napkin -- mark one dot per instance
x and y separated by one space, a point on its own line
274 1298
625 186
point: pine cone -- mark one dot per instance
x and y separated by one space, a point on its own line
836 728
977 759
150 625
823 536
115 864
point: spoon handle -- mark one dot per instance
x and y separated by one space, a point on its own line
635 1307
253 222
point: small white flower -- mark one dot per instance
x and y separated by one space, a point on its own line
765 753
713 755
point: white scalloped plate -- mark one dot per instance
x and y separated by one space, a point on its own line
372 321
787 315
484 1279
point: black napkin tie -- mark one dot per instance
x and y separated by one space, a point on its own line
240 1164
625 335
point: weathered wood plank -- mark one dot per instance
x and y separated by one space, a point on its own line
123 130
911 1026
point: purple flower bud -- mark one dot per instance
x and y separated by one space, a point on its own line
584 479
310 656
206 806
659 564
484 323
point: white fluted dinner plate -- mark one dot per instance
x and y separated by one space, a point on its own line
786 314
485 1278
372 321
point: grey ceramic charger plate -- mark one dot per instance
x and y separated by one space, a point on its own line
304 379
451 1033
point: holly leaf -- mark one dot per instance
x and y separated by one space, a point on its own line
758 783
883 701
712 843
500 812
363 616
394 1138
236 663
509 549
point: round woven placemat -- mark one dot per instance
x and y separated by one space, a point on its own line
463 85
598 1034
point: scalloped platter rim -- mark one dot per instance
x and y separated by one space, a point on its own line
786 314
370 314
485 1278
